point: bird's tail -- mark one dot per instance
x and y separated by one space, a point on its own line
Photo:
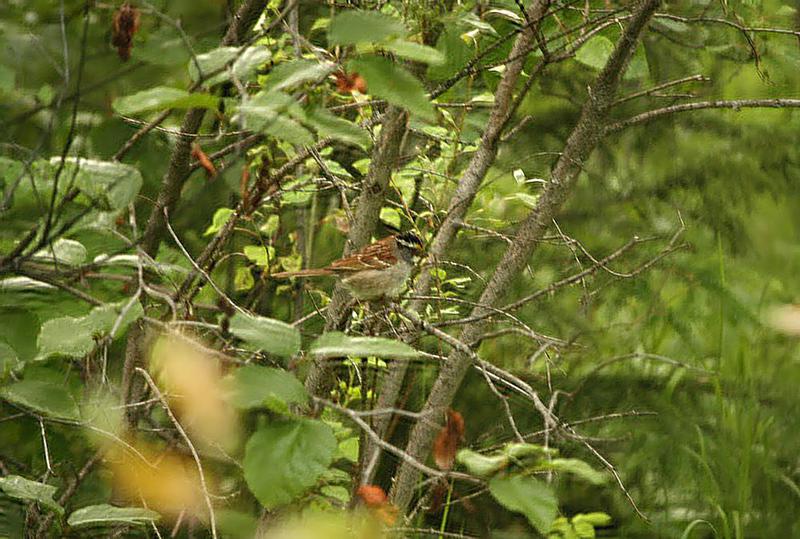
302 273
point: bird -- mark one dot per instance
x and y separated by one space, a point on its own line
378 270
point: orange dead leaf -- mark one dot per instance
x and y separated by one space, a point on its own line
446 443
204 160
375 498
372 495
125 25
350 82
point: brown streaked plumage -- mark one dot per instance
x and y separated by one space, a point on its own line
379 269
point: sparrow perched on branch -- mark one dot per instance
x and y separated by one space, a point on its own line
378 270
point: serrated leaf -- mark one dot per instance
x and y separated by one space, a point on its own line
267 334
415 51
161 98
284 459
359 26
243 65
44 397
20 488
396 85
527 495
296 72
253 386
116 184
329 125
336 344
104 514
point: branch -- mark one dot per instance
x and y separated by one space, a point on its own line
735 104
580 144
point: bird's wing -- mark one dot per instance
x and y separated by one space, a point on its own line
378 255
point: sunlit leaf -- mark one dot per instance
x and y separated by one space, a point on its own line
226 60
415 51
296 72
336 344
162 97
104 515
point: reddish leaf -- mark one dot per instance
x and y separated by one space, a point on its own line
204 161
446 444
350 82
372 495
125 25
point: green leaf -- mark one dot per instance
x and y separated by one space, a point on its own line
284 459
358 26
236 524
221 217
64 251
9 361
104 514
336 492
7 79
391 216
396 85
595 52
329 125
415 51
297 72
638 67
253 386
260 255
336 344
595 518
116 184
44 397
75 336
271 112
527 495
454 50
243 66
267 334
161 98
481 465
576 467
20 488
